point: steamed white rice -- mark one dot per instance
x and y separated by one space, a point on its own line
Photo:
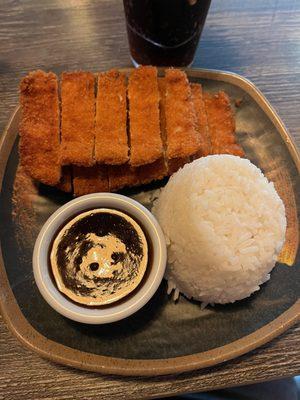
224 224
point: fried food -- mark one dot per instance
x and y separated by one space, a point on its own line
121 176
170 123
128 176
143 96
111 145
182 136
162 109
172 165
233 149
90 179
77 120
197 96
221 124
39 127
152 172
175 163
65 183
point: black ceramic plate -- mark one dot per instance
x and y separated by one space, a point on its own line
163 337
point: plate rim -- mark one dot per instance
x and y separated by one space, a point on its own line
62 354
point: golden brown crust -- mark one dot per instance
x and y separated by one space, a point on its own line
121 176
197 96
128 176
39 127
111 145
172 164
77 120
182 135
65 183
233 149
175 163
143 95
152 172
164 113
221 123
90 180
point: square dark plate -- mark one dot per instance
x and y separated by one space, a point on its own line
163 337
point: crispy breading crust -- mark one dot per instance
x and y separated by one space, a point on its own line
173 164
111 145
233 149
197 96
221 123
78 118
143 95
65 183
120 176
152 172
90 179
182 135
126 175
162 110
165 113
39 127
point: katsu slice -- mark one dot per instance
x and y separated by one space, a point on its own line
176 163
152 172
90 179
220 119
77 120
143 96
65 183
221 124
182 136
197 96
39 127
121 176
172 165
162 111
111 144
233 149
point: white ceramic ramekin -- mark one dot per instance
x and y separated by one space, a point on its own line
116 311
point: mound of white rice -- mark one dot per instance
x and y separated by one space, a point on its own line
224 224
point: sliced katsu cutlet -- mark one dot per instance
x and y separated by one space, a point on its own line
111 144
221 124
171 165
65 183
39 127
120 176
197 96
90 179
152 172
145 140
78 118
182 136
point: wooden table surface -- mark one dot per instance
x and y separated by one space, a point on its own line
257 39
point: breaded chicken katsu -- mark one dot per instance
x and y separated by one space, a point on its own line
77 118
197 96
221 125
144 127
182 135
111 143
106 131
39 127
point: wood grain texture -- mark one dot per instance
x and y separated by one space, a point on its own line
27 375
259 40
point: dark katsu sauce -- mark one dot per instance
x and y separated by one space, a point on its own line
99 230
164 32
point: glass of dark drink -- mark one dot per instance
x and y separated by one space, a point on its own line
164 32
